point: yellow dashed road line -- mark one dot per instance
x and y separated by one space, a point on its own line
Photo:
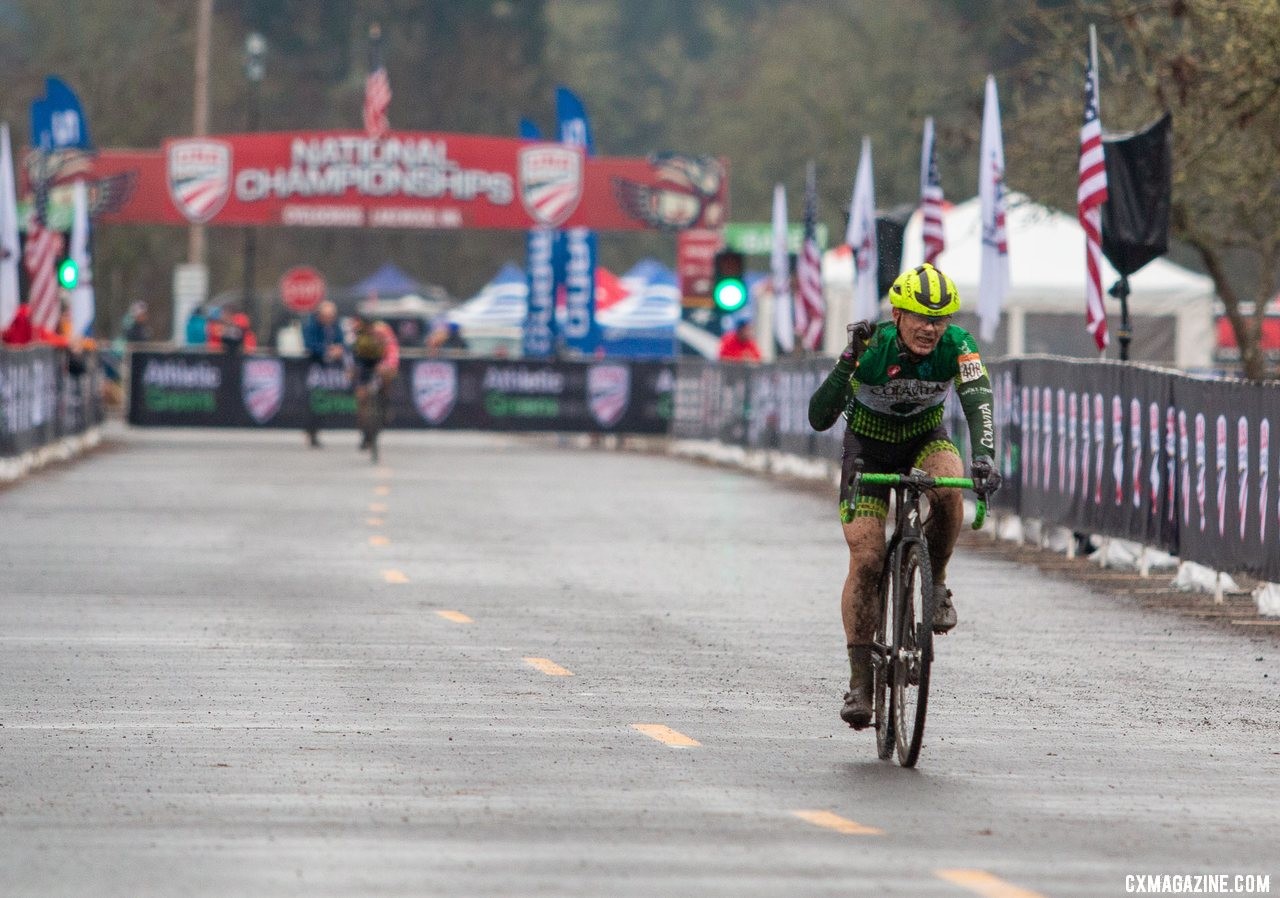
379 540
378 507
666 735
456 616
382 491
394 577
548 667
828 820
980 882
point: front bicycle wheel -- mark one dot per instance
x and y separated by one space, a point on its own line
377 412
912 653
882 674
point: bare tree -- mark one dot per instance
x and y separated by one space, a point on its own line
1215 64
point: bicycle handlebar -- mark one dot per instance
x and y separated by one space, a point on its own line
924 481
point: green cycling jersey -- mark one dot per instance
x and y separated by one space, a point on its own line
889 395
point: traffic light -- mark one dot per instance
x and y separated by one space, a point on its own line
68 274
729 287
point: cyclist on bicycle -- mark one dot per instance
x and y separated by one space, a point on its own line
376 358
890 382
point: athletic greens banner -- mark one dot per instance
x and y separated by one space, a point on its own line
194 389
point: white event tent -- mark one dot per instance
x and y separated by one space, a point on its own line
1171 308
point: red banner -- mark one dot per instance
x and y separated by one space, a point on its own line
405 180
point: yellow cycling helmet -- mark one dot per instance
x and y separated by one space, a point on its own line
925 291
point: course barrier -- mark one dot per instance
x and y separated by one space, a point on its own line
1182 464
199 389
46 395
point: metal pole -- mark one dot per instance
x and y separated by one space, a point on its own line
1121 292
200 112
255 50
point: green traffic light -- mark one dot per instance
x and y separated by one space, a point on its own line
730 295
68 274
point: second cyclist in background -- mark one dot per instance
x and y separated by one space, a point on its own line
375 362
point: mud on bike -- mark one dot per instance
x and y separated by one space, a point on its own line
902 653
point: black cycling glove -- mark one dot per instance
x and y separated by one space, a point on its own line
859 333
986 479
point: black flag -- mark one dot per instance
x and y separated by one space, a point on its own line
1135 217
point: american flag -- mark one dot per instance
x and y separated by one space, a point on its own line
931 197
1091 193
377 89
42 250
811 306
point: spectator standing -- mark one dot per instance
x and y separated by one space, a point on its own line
20 332
235 334
446 336
136 328
322 337
197 330
739 344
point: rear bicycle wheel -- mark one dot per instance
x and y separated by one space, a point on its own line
912 653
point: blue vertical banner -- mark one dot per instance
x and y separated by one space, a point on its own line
544 268
57 119
581 333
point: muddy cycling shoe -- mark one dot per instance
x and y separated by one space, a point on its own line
857 709
944 612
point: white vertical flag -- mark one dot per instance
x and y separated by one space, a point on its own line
780 268
861 238
10 250
82 308
993 280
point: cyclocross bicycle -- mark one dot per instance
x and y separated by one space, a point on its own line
903 650
371 413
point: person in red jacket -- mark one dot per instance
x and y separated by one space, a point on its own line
19 332
739 344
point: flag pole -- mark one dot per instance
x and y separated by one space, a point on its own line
1120 290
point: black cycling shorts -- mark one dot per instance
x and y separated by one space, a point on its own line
879 457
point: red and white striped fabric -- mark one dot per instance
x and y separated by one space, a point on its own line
811 305
1091 193
935 240
377 97
42 250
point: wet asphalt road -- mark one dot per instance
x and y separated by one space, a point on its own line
233 666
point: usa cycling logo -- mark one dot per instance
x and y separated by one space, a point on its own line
608 392
199 174
262 388
550 181
435 390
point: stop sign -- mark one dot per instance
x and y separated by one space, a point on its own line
302 288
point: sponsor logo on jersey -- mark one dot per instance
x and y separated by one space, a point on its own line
262 388
608 392
902 397
435 390
199 173
550 182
